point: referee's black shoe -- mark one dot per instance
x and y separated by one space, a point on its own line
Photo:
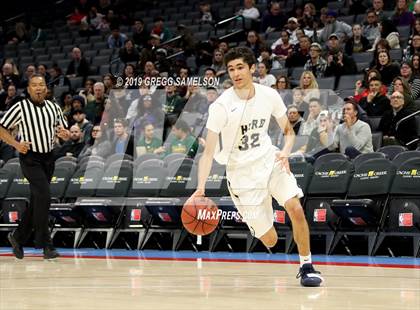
50 252
17 248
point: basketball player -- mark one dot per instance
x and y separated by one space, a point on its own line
256 171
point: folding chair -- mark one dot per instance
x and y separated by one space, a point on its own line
403 219
362 212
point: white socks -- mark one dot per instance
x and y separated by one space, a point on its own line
305 260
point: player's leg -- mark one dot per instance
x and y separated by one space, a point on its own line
284 189
269 239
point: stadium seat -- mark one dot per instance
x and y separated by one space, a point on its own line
400 158
148 181
326 83
374 123
362 212
181 180
152 163
376 141
392 150
348 81
363 57
171 157
145 157
360 159
60 179
330 181
328 157
403 219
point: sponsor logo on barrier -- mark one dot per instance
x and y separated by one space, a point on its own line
413 173
280 216
165 217
220 214
23 181
320 215
13 216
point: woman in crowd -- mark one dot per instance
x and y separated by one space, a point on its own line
387 68
98 144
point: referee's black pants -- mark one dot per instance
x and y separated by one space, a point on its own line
38 169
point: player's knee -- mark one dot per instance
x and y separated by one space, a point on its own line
295 210
269 239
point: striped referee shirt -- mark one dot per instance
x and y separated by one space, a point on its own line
36 123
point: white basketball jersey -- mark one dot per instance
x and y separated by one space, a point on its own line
243 124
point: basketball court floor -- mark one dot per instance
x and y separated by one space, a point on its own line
119 279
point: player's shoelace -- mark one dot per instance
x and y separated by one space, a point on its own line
306 271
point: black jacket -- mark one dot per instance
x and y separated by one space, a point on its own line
377 107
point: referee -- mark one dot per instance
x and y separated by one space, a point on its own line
38 121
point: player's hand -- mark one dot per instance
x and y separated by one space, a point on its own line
283 158
23 147
199 193
63 133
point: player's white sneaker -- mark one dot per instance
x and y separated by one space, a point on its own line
309 276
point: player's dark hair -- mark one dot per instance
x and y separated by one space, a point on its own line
240 52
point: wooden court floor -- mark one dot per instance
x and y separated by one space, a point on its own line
130 283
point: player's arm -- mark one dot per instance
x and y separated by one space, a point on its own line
289 140
206 161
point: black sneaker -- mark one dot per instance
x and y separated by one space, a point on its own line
309 276
17 248
50 252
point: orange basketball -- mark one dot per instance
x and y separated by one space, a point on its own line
200 216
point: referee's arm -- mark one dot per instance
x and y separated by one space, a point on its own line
10 120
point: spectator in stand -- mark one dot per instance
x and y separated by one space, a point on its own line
42 70
267 56
311 122
416 9
298 100
402 16
140 34
116 39
109 82
194 99
362 87
406 130
87 92
147 112
357 43
207 14
123 143
387 68
375 104
340 29
66 99
415 64
295 119
371 27
57 78
9 98
159 29
309 18
129 52
353 136
316 64
209 73
284 89
413 48
148 143
249 10
274 20
29 71
173 106
282 47
339 64
148 53
299 57
399 85
264 78
73 146
407 77
388 32
78 66
77 103
95 108
76 17
184 142
292 26
79 118
98 144
254 42
8 76
218 64
378 7
321 136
